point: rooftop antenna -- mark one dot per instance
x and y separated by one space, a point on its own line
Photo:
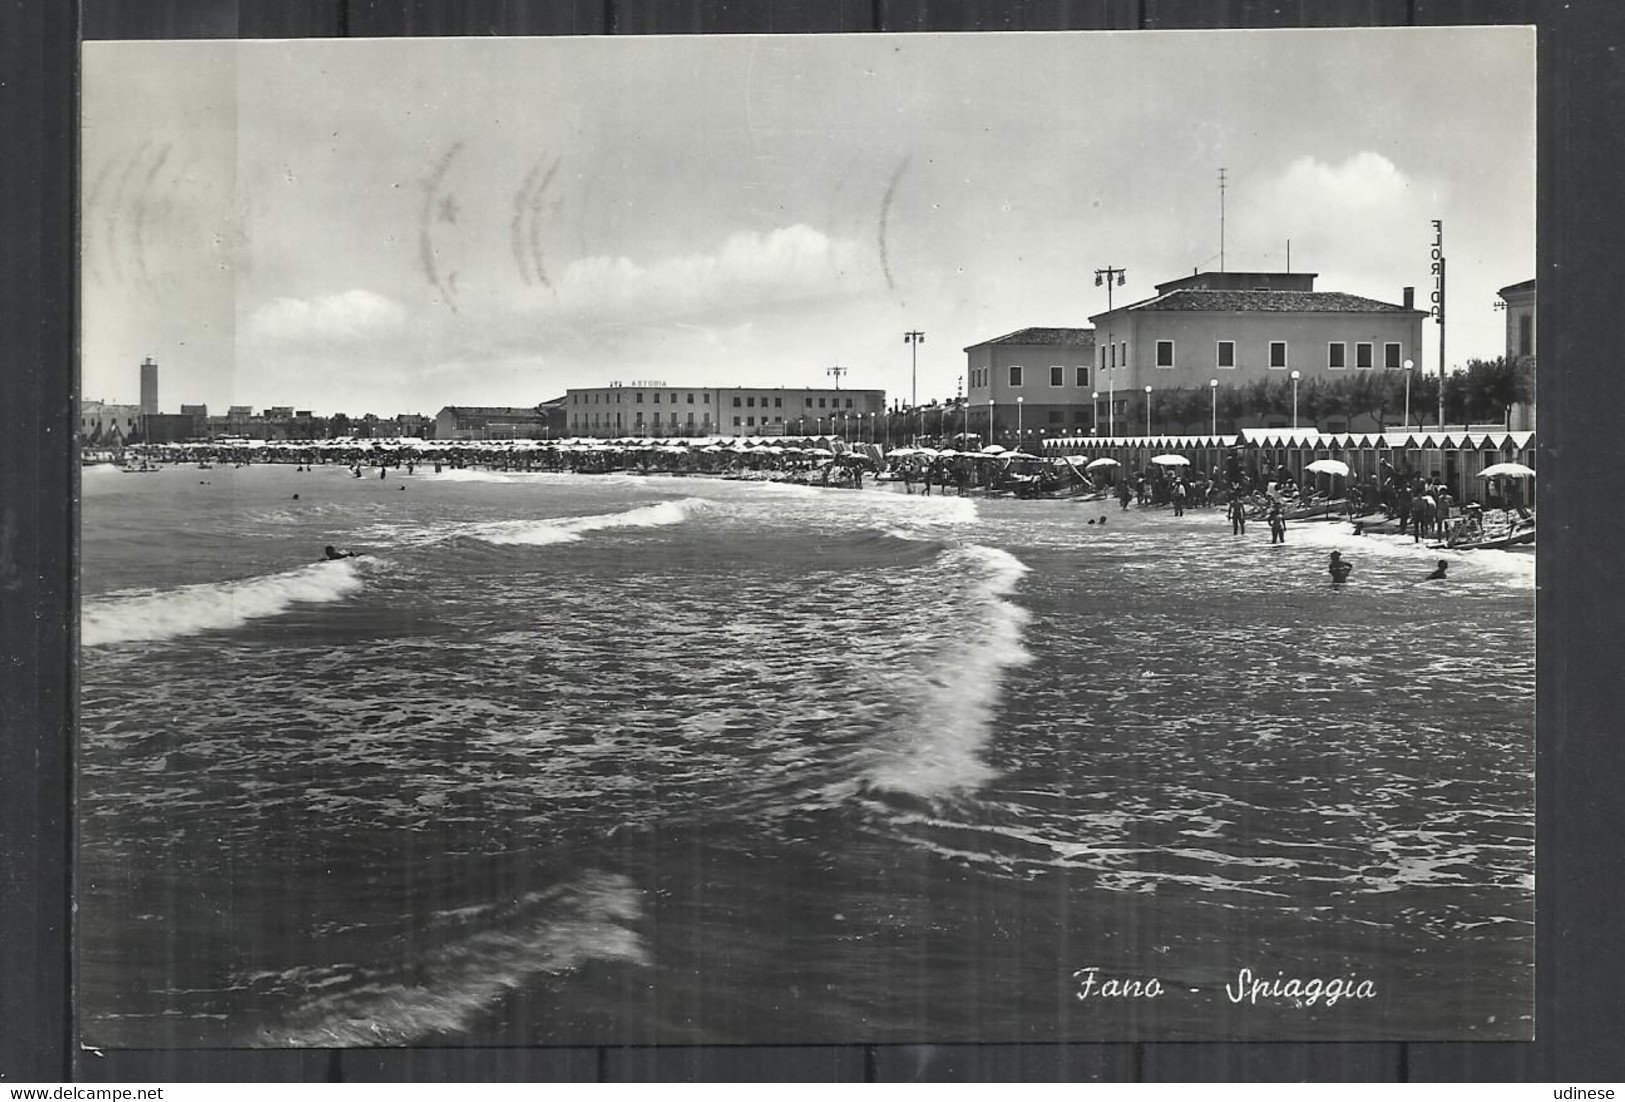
838 372
1289 254
1221 219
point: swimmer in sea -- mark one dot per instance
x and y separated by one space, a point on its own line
1438 571
1339 569
330 553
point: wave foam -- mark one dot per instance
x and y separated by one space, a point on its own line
545 933
952 694
147 615
570 529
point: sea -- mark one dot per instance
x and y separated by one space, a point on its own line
600 760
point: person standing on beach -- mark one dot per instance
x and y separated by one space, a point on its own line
1179 497
1238 516
1277 524
1123 494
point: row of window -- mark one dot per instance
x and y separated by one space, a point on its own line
980 376
1336 355
594 421
637 397
748 400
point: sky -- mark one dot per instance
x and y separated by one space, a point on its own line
393 226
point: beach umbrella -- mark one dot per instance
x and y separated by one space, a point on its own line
1103 461
1170 461
1507 470
1329 466
995 449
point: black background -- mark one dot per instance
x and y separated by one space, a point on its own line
1581 848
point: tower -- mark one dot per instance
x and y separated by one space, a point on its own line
149 386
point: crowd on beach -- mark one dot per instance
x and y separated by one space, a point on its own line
1247 487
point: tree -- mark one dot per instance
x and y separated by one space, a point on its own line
339 424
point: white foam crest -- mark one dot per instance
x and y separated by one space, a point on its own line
570 529
466 474
938 753
466 978
145 615
99 470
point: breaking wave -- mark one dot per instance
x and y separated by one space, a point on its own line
952 689
145 615
544 933
536 533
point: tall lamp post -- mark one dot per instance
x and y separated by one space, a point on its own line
914 338
1213 390
1148 414
990 420
1107 275
1408 365
1294 399
1094 412
1019 400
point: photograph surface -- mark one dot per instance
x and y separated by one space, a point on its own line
807 539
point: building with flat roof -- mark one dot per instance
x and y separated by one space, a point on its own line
1029 385
491 423
1519 302
658 409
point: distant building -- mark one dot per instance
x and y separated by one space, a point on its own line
1240 326
1036 382
149 386
649 410
107 424
490 423
1520 309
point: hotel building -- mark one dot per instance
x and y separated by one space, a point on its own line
658 409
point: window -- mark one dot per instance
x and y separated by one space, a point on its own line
751 401
1122 348
809 403
1114 355
1083 376
1103 359
820 403
750 421
778 420
1526 335
1165 353
691 414
674 399
1278 354
657 397
1362 355
1390 355
640 397
691 397
1336 355
736 422
778 403
1227 354
737 402
1057 376
849 403
1015 374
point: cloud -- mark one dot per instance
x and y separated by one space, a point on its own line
348 316
748 269
1364 219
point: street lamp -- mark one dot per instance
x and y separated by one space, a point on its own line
1094 411
1148 411
1213 390
1408 365
1107 275
1294 399
990 420
914 338
1019 400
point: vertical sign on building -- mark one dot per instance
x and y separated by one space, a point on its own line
1436 256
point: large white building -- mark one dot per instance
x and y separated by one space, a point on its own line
659 409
